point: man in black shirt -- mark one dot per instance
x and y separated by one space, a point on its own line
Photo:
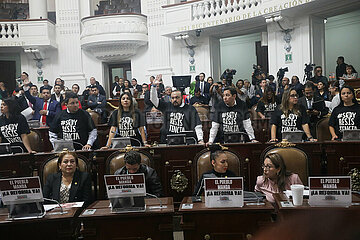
198 98
133 165
178 116
74 124
319 77
231 116
340 68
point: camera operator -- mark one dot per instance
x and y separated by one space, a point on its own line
271 84
216 95
242 93
227 77
319 77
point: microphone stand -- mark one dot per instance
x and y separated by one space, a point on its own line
154 196
258 203
58 203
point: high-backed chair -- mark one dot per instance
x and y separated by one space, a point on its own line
203 111
50 166
35 141
296 160
322 130
116 160
95 117
203 164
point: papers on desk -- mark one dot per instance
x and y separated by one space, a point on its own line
187 206
288 193
49 207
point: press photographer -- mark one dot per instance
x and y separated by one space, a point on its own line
228 75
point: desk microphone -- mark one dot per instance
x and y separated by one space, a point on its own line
58 203
154 196
258 203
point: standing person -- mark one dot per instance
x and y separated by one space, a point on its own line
289 117
167 95
260 92
93 82
34 91
127 84
137 87
97 103
3 91
241 90
68 184
295 83
216 97
271 79
45 85
57 94
203 86
335 93
275 178
346 116
231 115
126 121
318 77
285 85
251 92
74 124
198 98
341 67
178 116
267 104
144 88
118 87
13 125
210 80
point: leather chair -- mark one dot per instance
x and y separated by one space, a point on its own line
116 160
296 160
203 111
95 117
322 130
35 141
203 164
50 166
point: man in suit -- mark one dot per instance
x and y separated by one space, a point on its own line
203 86
314 105
93 82
57 96
136 86
45 108
97 102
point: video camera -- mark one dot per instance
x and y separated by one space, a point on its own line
308 70
228 75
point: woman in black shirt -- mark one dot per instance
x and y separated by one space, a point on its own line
266 104
289 117
346 116
127 122
13 125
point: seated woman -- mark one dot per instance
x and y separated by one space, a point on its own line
68 184
275 178
346 116
323 91
220 165
13 126
266 104
289 117
127 122
350 73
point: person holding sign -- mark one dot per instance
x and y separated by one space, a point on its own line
275 178
68 184
127 121
13 125
346 116
133 165
220 165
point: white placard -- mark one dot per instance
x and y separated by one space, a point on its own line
330 191
21 190
224 192
125 185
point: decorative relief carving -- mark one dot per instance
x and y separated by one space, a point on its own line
178 181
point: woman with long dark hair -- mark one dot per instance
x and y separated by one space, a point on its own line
13 125
127 121
289 117
267 104
275 178
346 116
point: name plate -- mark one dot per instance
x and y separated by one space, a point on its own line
21 190
125 185
330 191
224 192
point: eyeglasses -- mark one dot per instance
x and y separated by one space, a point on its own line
267 166
294 95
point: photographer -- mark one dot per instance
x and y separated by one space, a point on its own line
227 77
216 96
241 90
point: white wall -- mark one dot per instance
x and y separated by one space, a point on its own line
342 35
239 53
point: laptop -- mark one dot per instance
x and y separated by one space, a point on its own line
296 136
120 142
128 204
351 135
234 137
61 144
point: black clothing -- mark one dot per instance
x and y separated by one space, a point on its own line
299 88
177 119
292 123
340 70
199 189
230 118
201 99
127 127
266 109
80 190
322 79
86 93
73 126
152 182
345 118
11 130
53 97
47 87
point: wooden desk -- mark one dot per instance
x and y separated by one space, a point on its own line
223 223
152 224
284 213
49 227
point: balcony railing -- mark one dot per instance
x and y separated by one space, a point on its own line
39 32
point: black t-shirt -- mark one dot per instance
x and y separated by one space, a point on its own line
345 118
127 127
230 118
73 126
262 107
178 119
292 123
11 129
